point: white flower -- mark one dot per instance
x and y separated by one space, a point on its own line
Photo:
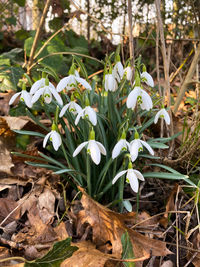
143 98
24 96
146 77
71 81
39 84
128 72
72 107
162 114
131 177
47 91
136 146
54 138
94 148
110 83
89 113
122 144
118 71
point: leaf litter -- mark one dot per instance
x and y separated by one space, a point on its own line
31 219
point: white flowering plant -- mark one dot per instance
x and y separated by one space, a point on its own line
97 136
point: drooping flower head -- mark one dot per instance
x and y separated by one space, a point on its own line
132 177
54 137
129 73
87 113
146 77
122 145
72 106
72 81
110 83
118 71
162 114
94 148
137 145
24 97
45 89
140 96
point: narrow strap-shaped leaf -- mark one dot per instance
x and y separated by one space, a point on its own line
29 133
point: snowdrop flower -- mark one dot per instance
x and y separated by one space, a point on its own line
72 107
89 113
132 177
146 77
72 81
94 148
54 137
122 145
118 71
162 114
110 83
143 98
45 89
128 72
137 145
24 96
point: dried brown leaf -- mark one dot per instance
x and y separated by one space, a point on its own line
9 207
87 256
46 204
108 226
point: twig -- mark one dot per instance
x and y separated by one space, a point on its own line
37 35
131 45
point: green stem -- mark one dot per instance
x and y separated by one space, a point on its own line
121 193
65 155
88 175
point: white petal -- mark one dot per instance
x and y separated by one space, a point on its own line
37 95
139 175
94 151
129 73
63 110
57 96
146 101
120 69
46 139
80 114
157 116
84 83
148 147
134 147
37 85
79 148
118 147
62 84
27 98
47 95
91 114
77 107
12 100
148 79
132 97
166 117
101 148
56 140
118 175
133 180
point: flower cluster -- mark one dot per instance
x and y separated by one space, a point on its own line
81 109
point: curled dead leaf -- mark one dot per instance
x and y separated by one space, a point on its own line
108 226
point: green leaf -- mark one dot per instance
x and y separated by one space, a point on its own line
165 167
41 165
127 205
29 133
127 250
61 250
165 139
157 145
10 77
82 67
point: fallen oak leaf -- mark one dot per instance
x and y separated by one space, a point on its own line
108 226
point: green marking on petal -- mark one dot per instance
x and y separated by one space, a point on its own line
47 95
162 116
140 149
127 180
124 149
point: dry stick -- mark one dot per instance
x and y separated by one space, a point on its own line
187 80
175 161
131 45
37 35
166 61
